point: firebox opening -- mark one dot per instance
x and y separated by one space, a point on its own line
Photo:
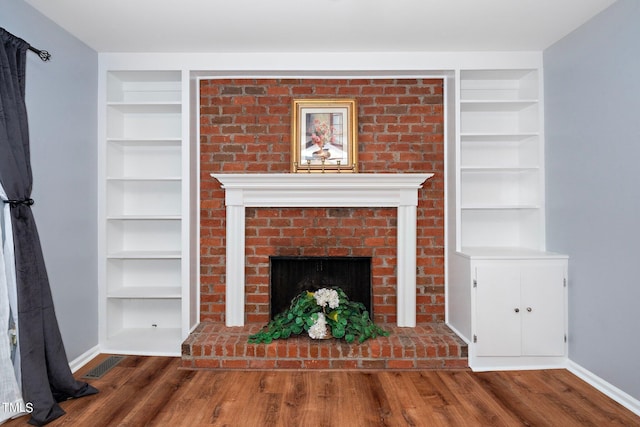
289 276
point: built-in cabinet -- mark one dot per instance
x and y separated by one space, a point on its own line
518 310
145 277
507 294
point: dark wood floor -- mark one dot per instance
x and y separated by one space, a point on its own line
154 391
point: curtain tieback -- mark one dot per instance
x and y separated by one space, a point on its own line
15 203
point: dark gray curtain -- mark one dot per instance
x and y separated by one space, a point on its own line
46 377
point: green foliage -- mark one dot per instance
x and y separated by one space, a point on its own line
349 321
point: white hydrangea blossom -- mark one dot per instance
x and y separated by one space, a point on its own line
319 328
326 296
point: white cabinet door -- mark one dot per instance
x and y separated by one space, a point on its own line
520 308
543 302
497 318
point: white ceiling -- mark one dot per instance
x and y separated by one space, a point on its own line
318 25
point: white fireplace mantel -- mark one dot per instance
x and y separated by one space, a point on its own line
322 190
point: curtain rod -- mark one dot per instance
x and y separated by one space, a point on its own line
43 54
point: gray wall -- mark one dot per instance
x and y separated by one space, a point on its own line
62 109
592 114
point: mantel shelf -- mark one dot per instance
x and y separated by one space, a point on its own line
319 180
322 190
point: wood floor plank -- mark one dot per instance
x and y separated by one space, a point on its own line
579 399
154 391
227 408
361 401
329 395
298 397
530 400
379 402
434 397
510 399
474 402
129 394
157 398
194 398
402 395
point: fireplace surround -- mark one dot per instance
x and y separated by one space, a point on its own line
321 190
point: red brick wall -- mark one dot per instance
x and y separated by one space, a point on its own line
245 128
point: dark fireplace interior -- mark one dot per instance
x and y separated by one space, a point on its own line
290 276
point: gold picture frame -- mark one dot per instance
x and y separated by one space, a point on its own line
324 136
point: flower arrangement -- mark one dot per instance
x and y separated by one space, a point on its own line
326 311
322 133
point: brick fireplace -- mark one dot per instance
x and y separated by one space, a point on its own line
245 129
315 192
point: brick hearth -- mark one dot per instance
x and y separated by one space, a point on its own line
428 346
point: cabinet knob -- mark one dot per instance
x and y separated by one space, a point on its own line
517 310
529 309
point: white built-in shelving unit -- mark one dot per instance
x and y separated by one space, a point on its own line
497 264
145 210
500 149
506 294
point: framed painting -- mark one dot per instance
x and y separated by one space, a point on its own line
324 136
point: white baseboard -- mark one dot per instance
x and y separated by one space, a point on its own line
608 389
84 358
